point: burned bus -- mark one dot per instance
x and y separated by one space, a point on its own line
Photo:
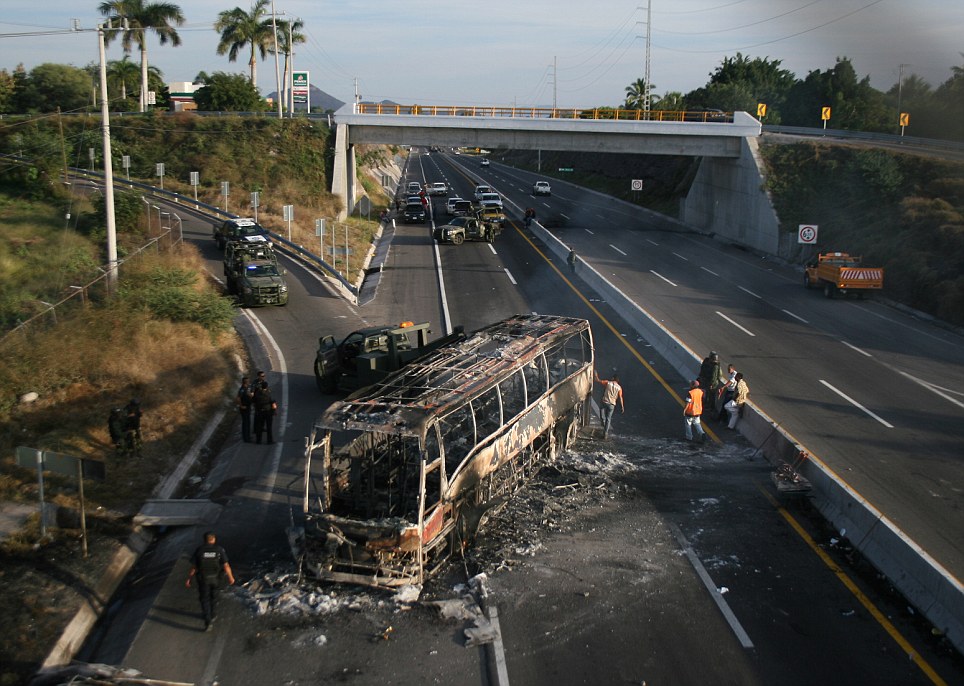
399 475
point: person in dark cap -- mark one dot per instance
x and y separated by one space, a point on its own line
209 566
711 382
264 409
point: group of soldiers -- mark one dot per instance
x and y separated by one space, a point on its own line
256 398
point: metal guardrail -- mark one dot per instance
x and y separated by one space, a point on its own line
702 116
889 138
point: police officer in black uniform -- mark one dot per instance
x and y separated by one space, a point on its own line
243 401
208 563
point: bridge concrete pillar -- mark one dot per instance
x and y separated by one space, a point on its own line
344 181
728 198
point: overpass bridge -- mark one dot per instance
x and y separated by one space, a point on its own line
727 199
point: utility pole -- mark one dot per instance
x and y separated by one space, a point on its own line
357 94
555 79
649 32
108 169
291 74
277 68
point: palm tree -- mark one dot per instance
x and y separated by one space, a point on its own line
142 16
289 35
636 94
120 73
239 28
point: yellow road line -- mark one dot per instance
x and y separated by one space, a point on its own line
619 336
851 586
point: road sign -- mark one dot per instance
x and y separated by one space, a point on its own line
287 212
825 113
565 169
300 88
637 184
807 234
904 118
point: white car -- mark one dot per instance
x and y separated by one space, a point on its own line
485 161
438 188
480 189
450 205
491 200
541 188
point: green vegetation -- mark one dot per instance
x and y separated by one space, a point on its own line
901 212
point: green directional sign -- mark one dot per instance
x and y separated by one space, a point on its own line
565 169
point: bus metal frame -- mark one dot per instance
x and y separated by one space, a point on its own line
400 475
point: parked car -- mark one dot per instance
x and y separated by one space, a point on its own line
491 200
414 188
480 189
438 188
541 188
450 205
414 212
462 208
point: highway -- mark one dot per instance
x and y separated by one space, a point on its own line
671 564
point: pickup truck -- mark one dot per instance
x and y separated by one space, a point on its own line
462 229
236 230
438 188
252 272
367 355
492 214
838 272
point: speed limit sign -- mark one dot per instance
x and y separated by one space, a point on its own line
637 184
807 234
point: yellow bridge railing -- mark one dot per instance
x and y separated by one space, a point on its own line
546 113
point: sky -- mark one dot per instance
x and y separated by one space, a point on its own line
572 53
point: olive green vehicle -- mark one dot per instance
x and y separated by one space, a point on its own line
252 272
461 229
367 355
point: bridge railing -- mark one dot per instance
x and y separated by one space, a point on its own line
545 112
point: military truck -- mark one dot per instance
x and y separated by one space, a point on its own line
838 272
252 272
236 229
461 229
367 355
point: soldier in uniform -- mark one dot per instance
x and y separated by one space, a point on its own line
243 402
264 409
208 563
115 426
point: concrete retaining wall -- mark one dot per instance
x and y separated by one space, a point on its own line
929 587
728 198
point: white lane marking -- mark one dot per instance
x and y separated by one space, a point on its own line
933 388
598 215
685 259
211 668
618 250
441 289
492 248
563 216
857 405
283 413
715 593
741 328
653 242
501 668
545 204
589 231
796 317
663 278
750 292
709 270
509 274
854 347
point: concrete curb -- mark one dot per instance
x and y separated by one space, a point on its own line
922 580
77 630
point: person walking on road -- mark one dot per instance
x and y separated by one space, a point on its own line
612 392
243 401
692 412
571 261
208 564
735 405
264 409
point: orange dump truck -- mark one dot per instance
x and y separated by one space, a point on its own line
838 272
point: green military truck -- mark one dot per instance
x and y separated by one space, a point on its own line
252 272
367 355
461 229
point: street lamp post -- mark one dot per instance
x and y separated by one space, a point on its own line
108 168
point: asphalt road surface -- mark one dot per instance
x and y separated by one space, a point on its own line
640 559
